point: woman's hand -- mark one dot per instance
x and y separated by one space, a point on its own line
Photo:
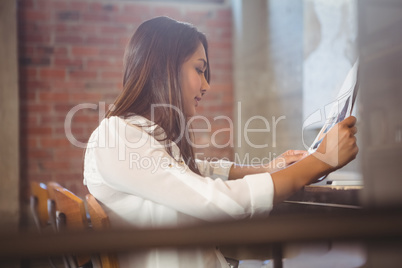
284 160
336 150
339 145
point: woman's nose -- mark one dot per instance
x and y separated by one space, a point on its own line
205 85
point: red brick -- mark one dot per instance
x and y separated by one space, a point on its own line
228 98
137 9
84 29
54 142
26 50
128 19
30 120
113 29
28 72
51 120
69 39
86 96
112 52
71 86
100 41
33 167
103 7
35 61
32 142
44 50
104 64
39 131
37 85
100 87
84 51
227 34
173 12
197 17
224 77
36 177
124 41
57 5
218 35
102 18
26 27
28 97
83 74
95 7
53 96
219 54
38 108
44 28
225 45
40 177
112 75
77 133
63 108
26 4
85 118
47 73
224 88
43 4
35 15
60 51
222 66
61 28
68 15
67 62
224 14
55 165
62 131
218 23
36 38
119 86
79 5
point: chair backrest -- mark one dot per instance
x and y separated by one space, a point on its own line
100 221
70 205
39 197
70 214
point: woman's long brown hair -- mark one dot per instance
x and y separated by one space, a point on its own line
152 63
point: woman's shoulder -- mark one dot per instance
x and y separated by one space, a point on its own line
133 131
134 120
131 124
116 125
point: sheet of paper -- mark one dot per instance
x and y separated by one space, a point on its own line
342 107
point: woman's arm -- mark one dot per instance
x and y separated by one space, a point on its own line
291 179
127 160
337 149
284 160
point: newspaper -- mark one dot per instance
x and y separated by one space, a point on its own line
342 106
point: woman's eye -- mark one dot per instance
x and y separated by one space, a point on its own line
199 71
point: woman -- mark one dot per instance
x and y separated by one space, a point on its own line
140 163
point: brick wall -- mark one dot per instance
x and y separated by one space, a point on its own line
70 53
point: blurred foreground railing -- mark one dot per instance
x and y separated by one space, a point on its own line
361 225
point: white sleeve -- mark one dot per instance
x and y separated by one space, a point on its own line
133 162
214 169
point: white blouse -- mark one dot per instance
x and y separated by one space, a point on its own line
140 185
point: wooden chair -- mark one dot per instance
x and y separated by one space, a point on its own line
100 221
38 204
70 215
